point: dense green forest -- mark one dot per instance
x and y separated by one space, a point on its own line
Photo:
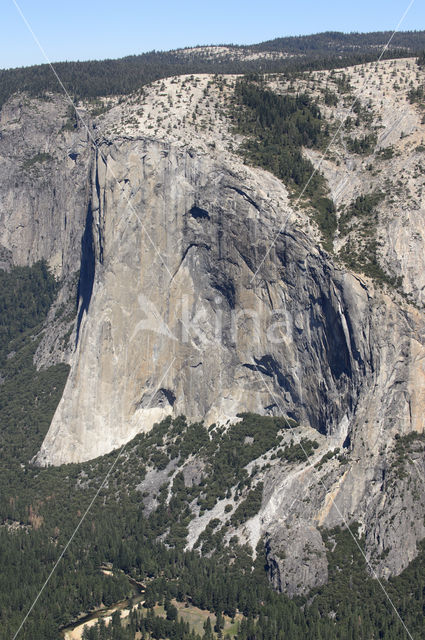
333 41
28 398
40 508
25 295
126 75
276 128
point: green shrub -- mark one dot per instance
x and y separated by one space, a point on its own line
249 507
364 145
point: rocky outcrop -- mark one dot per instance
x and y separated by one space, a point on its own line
44 187
179 321
184 309
201 293
296 558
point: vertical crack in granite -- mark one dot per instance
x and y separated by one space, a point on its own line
338 353
87 270
310 328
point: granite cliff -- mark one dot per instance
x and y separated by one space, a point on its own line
203 290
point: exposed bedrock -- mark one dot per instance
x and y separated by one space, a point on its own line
198 296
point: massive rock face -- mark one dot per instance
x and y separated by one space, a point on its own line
184 309
178 320
201 293
44 184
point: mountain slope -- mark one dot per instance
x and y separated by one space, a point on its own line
123 76
204 289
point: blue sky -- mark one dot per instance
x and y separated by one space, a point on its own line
81 30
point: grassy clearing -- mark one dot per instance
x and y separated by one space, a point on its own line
197 618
